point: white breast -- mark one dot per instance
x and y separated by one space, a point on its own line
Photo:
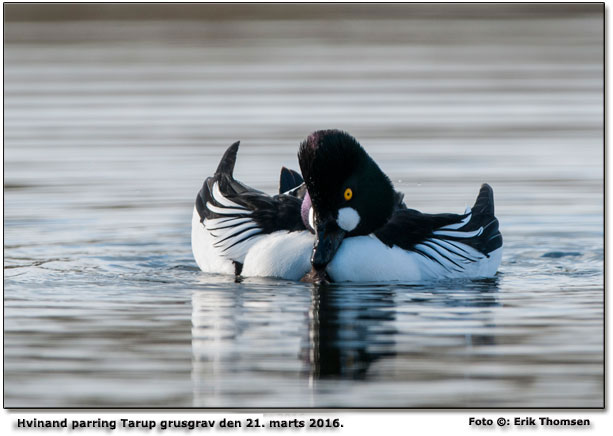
366 259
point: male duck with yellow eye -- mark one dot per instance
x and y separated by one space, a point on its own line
340 221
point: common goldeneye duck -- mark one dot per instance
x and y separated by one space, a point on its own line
342 220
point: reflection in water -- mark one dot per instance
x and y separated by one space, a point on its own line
350 327
208 329
244 354
348 330
245 345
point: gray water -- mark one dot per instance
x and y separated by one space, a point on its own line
111 127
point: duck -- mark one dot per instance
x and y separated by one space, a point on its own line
339 219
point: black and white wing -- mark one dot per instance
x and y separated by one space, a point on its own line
237 216
453 241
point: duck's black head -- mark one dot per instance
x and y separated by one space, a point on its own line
350 194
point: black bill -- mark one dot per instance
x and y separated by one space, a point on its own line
329 238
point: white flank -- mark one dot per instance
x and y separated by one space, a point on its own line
206 256
348 218
280 254
367 259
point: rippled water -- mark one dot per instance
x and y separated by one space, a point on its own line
111 127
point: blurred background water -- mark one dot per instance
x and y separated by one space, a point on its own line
115 114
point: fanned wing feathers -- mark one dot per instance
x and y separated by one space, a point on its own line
453 241
237 215
481 231
407 227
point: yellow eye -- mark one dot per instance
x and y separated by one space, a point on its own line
348 194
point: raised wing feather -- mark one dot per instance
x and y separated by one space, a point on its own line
237 215
454 241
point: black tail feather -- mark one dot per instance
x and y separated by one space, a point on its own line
223 174
226 165
483 216
484 205
289 180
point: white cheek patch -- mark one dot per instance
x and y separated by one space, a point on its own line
348 219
